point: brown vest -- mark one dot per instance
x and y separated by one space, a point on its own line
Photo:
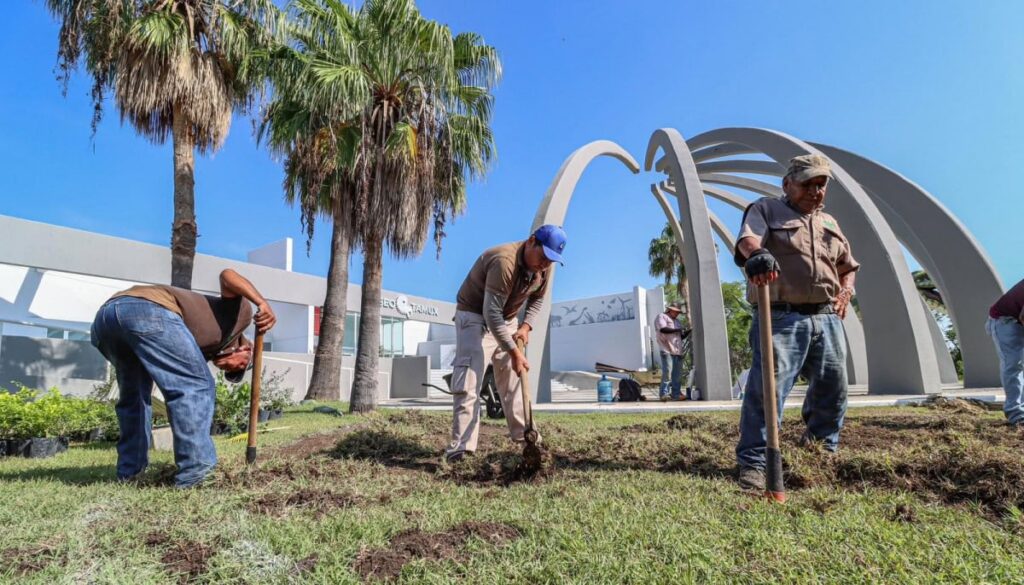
215 322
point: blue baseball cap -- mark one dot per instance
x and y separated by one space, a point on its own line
552 238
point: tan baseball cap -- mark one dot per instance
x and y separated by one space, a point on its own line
808 166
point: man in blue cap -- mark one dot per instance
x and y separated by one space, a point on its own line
501 281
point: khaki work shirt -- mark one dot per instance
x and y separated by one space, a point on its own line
501 271
811 249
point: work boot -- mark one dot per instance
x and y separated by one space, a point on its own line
751 478
456 457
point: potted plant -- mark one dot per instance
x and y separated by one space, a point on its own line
274 396
12 407
42 428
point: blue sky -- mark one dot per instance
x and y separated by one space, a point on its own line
930 88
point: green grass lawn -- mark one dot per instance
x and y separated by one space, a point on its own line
916 496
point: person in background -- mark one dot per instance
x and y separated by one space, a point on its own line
670 344
1006 326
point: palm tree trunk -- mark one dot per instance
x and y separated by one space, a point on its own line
184 229
325 383
364 383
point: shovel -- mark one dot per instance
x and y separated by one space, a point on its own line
254 397
774 488
532 455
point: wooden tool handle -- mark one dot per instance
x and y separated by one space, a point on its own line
254 397
774 488
524 381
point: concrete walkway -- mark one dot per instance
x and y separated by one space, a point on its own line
583 401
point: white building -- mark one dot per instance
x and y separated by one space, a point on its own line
53 279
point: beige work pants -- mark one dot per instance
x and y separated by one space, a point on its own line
475 348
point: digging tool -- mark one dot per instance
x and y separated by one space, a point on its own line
531 451
774 488
254 397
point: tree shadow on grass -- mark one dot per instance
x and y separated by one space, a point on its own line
71 475
386 448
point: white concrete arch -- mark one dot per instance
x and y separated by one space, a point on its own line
901 357
965 275
710 341
552 210
906 236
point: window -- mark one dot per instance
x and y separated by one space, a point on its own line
54 333
351 334
392 332
78 336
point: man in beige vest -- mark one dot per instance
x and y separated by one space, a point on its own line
503 279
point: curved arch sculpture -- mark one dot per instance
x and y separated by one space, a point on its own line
710 340
967 279
901 356
906 235
552 210
896 346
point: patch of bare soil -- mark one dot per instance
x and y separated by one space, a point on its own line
319 501
306 565
386 564
312 445
187 559
26 560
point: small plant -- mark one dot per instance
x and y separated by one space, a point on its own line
231 411
273 393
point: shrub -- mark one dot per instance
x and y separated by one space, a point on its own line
28 414
232 404
273 393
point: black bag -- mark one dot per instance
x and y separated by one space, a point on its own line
629 391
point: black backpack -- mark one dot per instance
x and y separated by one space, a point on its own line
629 391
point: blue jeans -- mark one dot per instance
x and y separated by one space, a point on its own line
1008 335
676 363
147 343
810 345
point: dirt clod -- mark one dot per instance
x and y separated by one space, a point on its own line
306 565
386 564
188 559
903 513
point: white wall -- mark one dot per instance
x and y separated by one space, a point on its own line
612 329
275 255
617 343
413 334
293 332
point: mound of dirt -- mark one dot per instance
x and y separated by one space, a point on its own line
386 564
319 501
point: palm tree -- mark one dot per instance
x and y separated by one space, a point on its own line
664 261
417 104
304 138
175 67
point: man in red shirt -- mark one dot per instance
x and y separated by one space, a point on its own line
1006 326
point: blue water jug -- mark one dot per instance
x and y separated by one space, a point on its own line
604 389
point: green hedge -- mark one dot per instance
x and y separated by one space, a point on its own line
29 414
